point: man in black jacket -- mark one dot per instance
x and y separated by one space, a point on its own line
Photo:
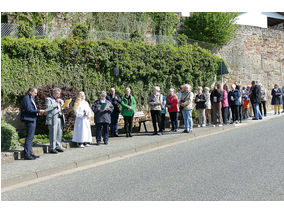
116 101
29 114
255 100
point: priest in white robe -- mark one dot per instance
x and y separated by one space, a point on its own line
82 128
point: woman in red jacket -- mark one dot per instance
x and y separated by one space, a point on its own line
172 104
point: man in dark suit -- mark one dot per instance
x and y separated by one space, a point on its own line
116 101
29 114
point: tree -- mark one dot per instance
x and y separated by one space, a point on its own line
212 27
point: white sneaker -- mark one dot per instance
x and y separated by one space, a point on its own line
87 145
198 126
203 125
213 125
82 146
220 125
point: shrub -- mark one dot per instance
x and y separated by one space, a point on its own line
25 31
9 136
66 93
88 66
212 27
80 31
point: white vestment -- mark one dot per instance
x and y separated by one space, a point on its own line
82 128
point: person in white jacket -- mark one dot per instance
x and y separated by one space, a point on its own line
82 128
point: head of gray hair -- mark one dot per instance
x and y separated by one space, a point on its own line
233 86
56 90
103 93
157 88
128 89
171 90
206 89
200 88
187 87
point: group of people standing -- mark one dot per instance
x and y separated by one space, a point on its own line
216 108
233 105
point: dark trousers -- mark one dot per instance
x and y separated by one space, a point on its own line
128 120
262 104
99 128
240 113
174 120
180 116
225 114
253 109
31 126
113 124
156 118
235 112
163 118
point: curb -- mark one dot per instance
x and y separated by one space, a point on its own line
123 153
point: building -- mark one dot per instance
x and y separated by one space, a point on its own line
273 20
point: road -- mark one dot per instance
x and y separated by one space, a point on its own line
246 163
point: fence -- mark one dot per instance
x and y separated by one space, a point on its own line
56 32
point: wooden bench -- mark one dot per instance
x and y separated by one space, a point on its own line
138 118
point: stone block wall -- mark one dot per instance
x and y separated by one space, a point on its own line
255 54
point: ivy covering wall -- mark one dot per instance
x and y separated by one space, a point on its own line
88 66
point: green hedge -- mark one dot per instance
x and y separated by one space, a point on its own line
88 66
9 136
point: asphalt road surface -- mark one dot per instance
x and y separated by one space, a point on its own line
245 163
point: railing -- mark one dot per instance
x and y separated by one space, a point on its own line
56 32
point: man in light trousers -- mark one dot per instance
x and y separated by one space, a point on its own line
55 120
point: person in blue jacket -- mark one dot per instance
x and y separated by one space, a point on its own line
29 114
235 101
276 100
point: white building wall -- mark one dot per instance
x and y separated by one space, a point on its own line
257 19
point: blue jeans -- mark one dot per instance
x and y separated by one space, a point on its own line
31 126
99 132
113 124
187 117
257 111
246 114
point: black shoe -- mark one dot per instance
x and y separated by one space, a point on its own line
98 143
53 151
59 150
29 158
129 135
35 156
155 133
255 119
116 135
185 131
105 142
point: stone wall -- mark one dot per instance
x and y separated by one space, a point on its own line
255 54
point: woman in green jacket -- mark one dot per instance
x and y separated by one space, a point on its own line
128 104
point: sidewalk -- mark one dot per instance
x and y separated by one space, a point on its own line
48 164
